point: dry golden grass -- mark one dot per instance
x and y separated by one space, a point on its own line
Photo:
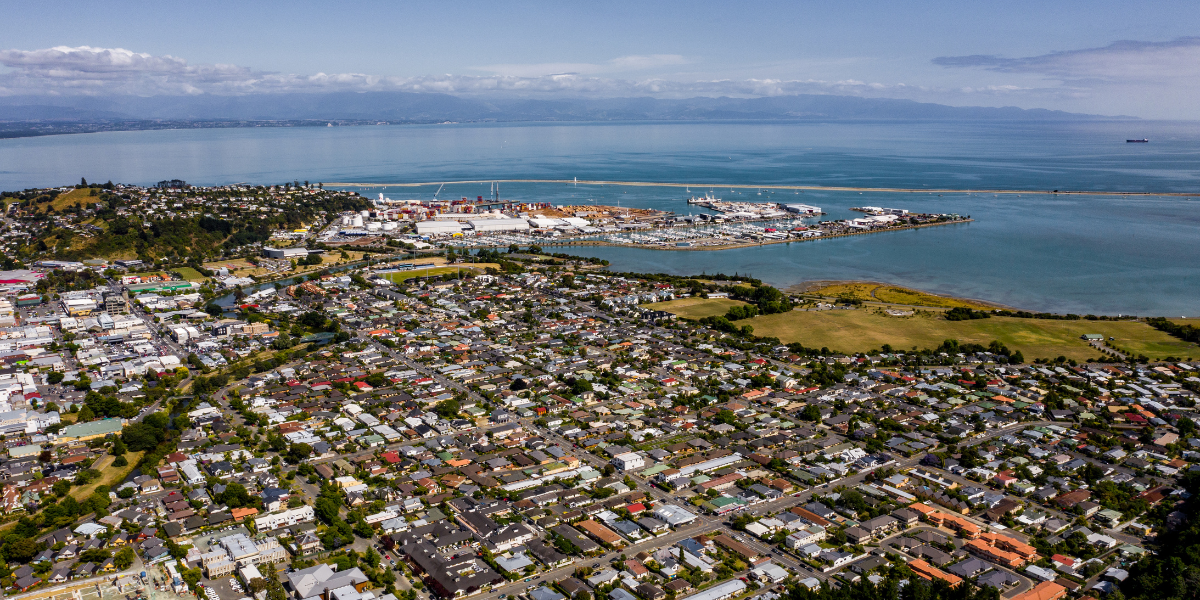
109 475
78 197
696 308
891 294
867 329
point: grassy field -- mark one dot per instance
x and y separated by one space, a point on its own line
403 276
240 267
74 197
696 308
190 274
109 475
868 328
874 292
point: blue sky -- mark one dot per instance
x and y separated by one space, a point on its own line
1133 58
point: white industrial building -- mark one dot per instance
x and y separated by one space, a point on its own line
439 227
721 591
710 465
285 252
804 209
501 224
628 461
673 515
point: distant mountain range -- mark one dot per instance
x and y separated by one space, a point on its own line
431 108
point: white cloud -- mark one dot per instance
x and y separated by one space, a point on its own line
116 71
1123 61
1148 79
617 65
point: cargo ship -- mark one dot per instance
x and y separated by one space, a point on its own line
1141 141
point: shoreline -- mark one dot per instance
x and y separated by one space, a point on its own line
819 188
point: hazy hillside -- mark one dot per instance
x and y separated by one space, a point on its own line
411 107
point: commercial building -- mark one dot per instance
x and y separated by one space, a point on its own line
673 515
238 550
722 591
628 461
161 286
82 432
803 209
450 577
440 228
285 253
116 303
79 307
710 465
503 224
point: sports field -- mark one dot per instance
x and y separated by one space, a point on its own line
190 274
696 308
402 276
865 329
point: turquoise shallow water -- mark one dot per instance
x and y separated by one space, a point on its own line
1079 253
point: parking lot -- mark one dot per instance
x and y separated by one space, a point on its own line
222 589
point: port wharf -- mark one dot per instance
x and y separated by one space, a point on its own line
733 245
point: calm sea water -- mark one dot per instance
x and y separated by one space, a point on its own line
1078 253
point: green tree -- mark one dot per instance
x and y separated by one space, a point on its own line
811 413
447 409
85 414
143 436
236 496
274 588
298 452
257 585
20 550
124 558
362 530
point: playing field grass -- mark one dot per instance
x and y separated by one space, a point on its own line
190 274
867 329
402 276
696 308
874 292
